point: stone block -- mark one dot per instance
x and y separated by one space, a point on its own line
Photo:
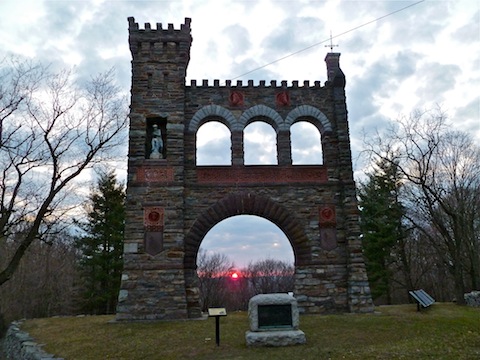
122 295
130 248
275 338
473 298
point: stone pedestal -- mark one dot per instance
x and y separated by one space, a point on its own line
275 338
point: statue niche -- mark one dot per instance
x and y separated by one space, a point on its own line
155 139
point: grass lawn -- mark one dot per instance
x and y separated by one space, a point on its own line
444 331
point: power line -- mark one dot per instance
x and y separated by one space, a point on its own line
329 39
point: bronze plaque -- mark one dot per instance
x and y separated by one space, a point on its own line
274 316
328 238
153 242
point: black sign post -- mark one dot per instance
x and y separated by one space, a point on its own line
216 313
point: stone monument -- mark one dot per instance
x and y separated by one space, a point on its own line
274 321
172 201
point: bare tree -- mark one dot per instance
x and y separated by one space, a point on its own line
441 169
213 272
51 130
45 282
270 276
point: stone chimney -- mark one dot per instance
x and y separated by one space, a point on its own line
336 77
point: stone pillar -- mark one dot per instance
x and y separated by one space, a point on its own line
284 147
237 148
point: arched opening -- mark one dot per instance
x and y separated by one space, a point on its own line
306 144
213 144
240 257
239 203
260 144
248 238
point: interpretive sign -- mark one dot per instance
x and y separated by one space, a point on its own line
216 313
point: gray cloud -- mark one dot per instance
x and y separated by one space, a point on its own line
238 39
293 34
468 117
468 33
306 145
260 149
215 152
355 43
421 25
249 68
380 79
435 79
64 17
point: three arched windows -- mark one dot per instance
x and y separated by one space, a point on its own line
213 144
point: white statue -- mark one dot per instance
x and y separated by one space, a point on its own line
157 143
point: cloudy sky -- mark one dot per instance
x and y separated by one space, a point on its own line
394 60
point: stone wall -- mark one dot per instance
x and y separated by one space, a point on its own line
172 203
20 345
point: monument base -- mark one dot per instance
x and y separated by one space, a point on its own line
275 338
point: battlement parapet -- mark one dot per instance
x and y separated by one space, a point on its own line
133 26
250 84
158 42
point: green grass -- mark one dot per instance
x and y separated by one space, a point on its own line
444 331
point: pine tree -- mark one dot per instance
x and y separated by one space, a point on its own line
102 245
381 224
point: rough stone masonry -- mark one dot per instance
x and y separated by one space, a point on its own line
172 203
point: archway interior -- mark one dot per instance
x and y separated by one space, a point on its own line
213 144
247 239
306 144
260 144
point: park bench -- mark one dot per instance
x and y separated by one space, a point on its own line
422 298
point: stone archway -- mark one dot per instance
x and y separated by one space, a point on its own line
172 203
245 203
240 203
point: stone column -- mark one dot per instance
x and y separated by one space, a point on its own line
237 148
284 148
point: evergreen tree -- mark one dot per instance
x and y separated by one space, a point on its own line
102 245
381 225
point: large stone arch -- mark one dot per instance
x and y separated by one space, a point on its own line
247 203
240 203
